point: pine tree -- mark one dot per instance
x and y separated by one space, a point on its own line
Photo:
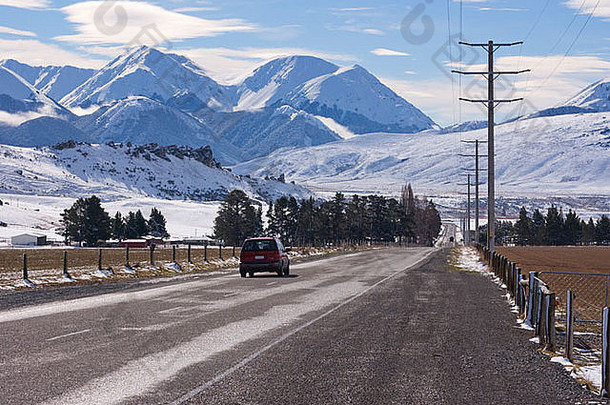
237 219
602 231
86 221
572 230
140 225
523 228
157 224
538 228
118 227
553 227
588 231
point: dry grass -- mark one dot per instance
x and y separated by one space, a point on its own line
582 259
11 260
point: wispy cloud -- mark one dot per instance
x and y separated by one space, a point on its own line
354 28
128 20
27 4
502 9
589 6
544 87
194 9
13 31
388 52
228 65
34 52
355 9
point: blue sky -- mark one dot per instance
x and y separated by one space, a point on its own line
567 42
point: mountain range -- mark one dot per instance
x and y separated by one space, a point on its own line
325 126
145 96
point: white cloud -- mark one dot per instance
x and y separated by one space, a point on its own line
354 28
34 52
388 52
194 9
355 9
553 80
126 22
13 31
229 65
588 7
29 4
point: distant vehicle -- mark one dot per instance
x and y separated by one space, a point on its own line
264 255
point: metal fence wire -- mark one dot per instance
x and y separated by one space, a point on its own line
590 294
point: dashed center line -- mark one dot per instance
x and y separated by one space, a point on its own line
68 335
165 311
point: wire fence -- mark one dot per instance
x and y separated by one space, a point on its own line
566 310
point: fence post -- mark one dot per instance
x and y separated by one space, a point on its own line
173 253
549 306
522 303
220 251
531 305
99 259
152 255
606 354
570 325
189 254
516 281
127 257
25 266
205 253
65 267
540 316
234 250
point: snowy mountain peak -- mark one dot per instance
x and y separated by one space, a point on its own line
595 97
271 82
147 72
20 101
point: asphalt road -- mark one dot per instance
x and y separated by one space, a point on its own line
378 327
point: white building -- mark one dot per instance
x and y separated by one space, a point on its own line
29 239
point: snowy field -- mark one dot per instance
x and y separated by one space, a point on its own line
39 214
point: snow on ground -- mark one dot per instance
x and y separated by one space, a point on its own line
40 214
468 259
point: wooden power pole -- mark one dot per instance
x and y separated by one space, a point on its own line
491 75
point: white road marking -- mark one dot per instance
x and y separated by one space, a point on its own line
219 377
165 311
274 282
144 374
68 335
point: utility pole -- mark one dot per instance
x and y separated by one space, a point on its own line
491 75
466 227
477 169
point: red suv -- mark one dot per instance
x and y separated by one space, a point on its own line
263 254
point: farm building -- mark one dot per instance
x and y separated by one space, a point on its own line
29 239
145 241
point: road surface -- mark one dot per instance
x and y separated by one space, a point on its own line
378 327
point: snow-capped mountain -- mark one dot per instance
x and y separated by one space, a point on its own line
357 100
20 101
147 72
141 120
53 81
260 132
560 155
595 97
42 131
271 82
114 171
351 96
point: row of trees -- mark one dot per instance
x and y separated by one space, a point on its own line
87 221
554 229
339 220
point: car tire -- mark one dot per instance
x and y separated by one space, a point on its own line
280 272
287 270
251 274
242 273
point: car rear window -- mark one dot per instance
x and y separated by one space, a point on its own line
256 245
